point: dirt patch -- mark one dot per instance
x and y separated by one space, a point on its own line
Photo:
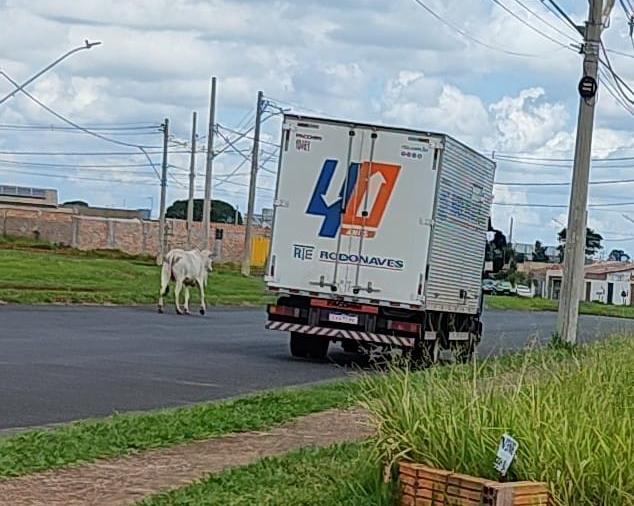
124 481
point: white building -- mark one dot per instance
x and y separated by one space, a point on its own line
605 282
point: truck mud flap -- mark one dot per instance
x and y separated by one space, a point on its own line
341 334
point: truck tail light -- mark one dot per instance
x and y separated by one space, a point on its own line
411 328
293 312
273 258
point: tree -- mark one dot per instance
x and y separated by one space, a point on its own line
618 255
539 252
497 249
80 203
221 212
593 243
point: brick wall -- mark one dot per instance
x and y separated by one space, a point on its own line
134 236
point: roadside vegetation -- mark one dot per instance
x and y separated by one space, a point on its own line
39 272
343 474
572 411
538 304
39 450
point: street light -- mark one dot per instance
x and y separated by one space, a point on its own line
87 45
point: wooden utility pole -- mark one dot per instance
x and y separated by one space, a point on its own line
162 242
246 256
573 277
209 165
192 181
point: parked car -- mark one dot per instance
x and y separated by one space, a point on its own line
503 288
488 286
524 291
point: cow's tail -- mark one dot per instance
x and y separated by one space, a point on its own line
166 274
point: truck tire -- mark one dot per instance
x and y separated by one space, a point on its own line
305 346
350 346
425 353
463 352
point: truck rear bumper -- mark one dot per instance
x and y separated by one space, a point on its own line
330 333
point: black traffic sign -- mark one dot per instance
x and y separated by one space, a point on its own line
588 87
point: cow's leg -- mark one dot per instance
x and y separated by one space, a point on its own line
203 306
187 299
165 283
177 295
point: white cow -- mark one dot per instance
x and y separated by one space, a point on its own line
185 268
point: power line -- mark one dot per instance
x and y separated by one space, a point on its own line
561 13
559 206
546 22
468 36
79 127
87 153
598 182
148 182
524 159
526 23
91 127
73 165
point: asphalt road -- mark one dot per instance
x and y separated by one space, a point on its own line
66 363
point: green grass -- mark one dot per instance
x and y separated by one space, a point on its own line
539 304
572 412
340 475
119 435
34 272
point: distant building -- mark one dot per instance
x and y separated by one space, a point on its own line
109 212
605 282
27 196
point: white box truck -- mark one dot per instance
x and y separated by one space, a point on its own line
378 238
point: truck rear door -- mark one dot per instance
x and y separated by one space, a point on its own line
353 211
387 222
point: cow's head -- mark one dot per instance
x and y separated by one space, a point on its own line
207 258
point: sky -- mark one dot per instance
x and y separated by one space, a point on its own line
489 80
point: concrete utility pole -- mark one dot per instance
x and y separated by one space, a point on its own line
577 213
210 161
192 181
161 255
246 255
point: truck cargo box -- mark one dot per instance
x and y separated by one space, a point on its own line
379 215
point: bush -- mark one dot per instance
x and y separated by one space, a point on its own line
572 411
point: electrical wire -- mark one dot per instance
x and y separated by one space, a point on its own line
546 22
598 182
560 13
87 153
470 37
529 25
560 206
79 127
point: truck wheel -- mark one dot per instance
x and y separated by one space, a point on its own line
299 345
350 346
463 352
305 346
426 353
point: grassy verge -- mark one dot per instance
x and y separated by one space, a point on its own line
539 304
572 414
122 434
36 272
119 435
325 477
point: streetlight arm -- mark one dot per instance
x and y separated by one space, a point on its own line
87 45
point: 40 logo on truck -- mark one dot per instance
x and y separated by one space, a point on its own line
360 204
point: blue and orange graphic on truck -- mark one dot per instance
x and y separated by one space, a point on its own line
360 205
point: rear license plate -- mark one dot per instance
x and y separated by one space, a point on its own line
343 318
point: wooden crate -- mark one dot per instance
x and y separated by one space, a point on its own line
426 486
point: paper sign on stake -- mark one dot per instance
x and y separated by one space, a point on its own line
506 454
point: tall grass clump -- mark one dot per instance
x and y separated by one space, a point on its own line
572 412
